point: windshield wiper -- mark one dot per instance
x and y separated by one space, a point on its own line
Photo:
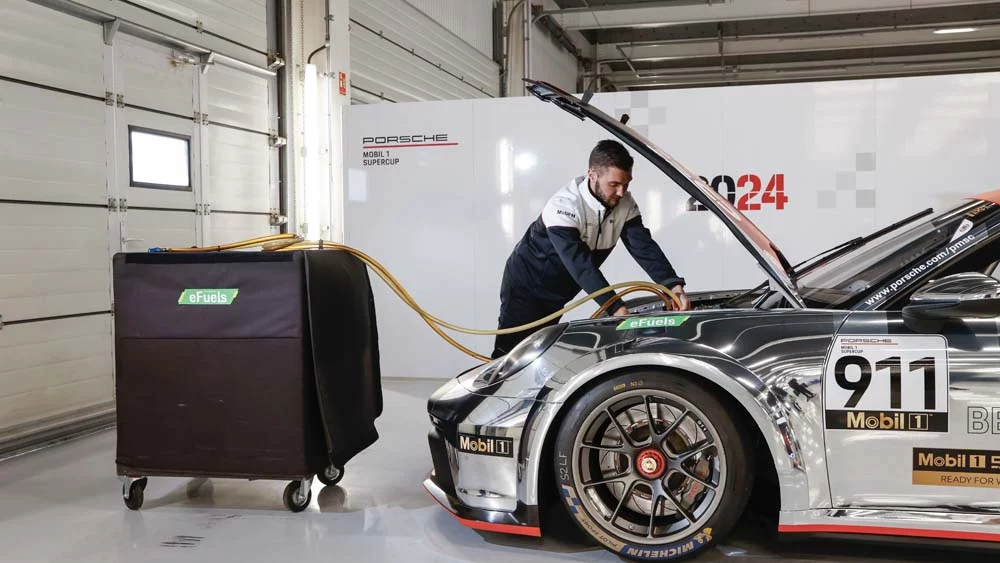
841 249
837 251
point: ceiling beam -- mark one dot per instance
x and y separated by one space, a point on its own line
890 19
654 14
869 69
763 45
625 74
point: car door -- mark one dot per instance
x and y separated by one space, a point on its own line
912 415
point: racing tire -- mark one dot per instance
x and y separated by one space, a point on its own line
652 467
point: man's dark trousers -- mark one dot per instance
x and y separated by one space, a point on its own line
517 310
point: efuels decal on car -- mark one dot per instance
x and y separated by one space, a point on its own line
887 383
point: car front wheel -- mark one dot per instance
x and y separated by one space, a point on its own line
651 466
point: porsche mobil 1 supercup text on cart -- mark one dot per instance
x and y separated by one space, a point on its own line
644 430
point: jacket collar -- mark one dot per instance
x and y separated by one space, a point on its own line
592 202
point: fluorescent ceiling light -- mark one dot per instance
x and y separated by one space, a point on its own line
956 30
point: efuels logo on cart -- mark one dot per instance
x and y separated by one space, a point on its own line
208 296
486 445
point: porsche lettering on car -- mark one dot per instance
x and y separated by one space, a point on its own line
858 390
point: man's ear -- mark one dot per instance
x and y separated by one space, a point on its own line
593 174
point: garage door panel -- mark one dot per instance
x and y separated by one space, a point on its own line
225 228
60 400
54 367
243 21
237 98
51 146
148 229
148 78
53 261
73 62
239 170
54 363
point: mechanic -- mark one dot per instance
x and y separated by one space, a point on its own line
562 251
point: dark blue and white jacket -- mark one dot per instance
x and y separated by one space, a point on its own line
561 252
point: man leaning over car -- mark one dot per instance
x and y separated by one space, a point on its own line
562 251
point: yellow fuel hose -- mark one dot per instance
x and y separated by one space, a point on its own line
291 242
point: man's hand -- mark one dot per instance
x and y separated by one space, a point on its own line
682 296
621 311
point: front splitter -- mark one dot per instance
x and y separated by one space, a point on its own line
478 519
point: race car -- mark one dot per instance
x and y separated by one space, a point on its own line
860 390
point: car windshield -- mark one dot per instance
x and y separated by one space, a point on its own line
841 280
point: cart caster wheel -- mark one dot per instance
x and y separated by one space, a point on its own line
331 475
133 496
295 499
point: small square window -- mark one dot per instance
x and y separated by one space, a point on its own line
159 159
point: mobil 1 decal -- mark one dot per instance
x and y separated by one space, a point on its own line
878 383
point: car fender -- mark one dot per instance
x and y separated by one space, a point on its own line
756 398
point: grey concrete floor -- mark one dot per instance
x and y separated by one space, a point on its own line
64 504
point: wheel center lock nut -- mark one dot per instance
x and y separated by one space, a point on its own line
651 464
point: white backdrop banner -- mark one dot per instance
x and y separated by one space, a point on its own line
440 192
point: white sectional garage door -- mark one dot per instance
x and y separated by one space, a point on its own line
86 131
55 289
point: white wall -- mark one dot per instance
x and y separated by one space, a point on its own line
550 60
400 54
854 156
472 20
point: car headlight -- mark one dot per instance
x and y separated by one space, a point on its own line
524 354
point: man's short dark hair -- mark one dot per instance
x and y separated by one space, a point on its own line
611 153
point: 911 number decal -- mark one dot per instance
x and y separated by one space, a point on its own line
755 194
887 382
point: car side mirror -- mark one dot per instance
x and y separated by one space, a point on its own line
968 295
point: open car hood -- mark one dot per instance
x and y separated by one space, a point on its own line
767 254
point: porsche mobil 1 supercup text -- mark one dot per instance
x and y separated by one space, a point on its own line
375 153
378 158
377 141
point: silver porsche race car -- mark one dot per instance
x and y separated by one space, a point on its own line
860 390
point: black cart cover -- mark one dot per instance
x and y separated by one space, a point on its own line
345 350
255 364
